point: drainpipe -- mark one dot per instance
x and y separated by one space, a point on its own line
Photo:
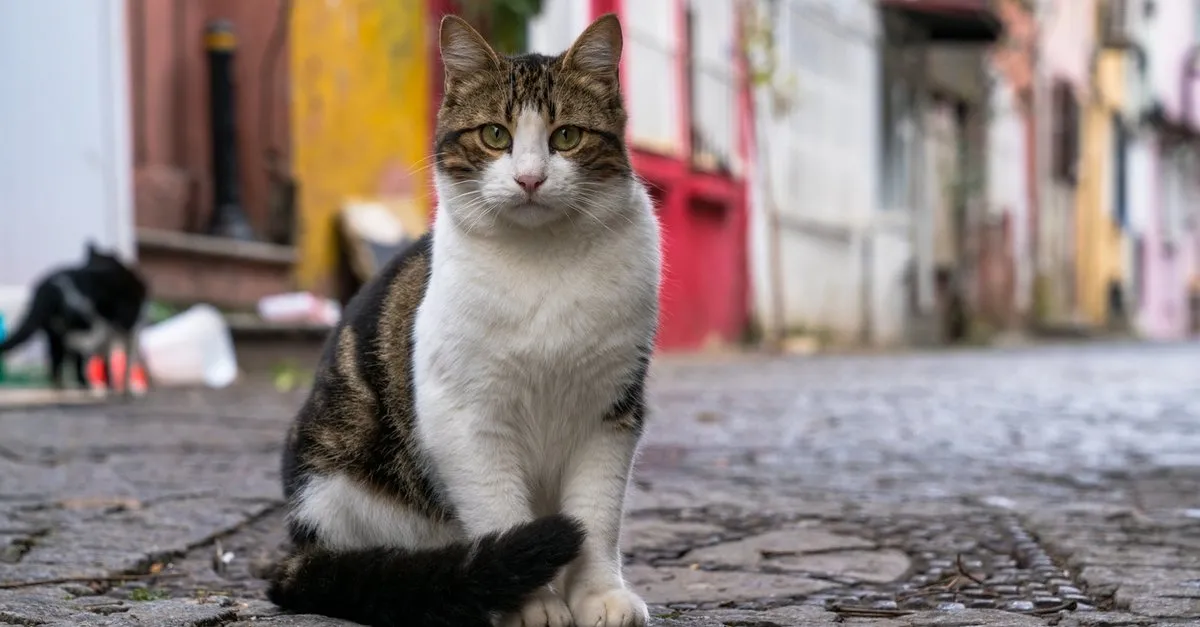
1043 123
228 218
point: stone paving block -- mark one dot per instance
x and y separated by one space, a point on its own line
1060 440
1159 606
791 616
301 620
1106 619
966 618
1123 556
33 606
1144 577
642 533
669 585
878 566
100 612
794 540
807 549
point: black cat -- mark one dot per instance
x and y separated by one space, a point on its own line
84 310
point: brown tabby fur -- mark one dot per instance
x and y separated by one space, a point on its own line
367 367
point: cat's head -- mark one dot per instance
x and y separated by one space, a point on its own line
107 262
532 140
99 257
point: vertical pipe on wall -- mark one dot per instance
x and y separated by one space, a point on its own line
1041 159
137 63
228 218
683 74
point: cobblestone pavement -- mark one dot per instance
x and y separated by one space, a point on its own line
1020 487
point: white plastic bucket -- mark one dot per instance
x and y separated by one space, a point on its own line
194 347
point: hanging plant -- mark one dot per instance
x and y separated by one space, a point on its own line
503 22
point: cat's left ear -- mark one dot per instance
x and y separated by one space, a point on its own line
464 50
598 49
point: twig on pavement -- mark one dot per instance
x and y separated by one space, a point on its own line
962 570
1069 606
867 612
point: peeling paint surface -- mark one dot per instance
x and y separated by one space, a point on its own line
1099 241
361 111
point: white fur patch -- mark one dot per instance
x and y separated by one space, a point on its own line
348 516
94 341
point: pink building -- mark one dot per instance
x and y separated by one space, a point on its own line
1165 168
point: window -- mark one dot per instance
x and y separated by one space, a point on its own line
1065 148
1196 20
1120 173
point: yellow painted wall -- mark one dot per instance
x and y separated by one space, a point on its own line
361 115
1098 240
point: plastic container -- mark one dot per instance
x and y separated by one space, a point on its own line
299 307
192 348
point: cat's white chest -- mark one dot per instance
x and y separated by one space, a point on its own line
548 335
92 341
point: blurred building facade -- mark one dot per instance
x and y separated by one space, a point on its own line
1034 167
873 171
690 134
870 203
1159 44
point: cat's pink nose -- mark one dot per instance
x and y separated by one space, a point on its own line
530 182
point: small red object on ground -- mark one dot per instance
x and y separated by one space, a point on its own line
98 381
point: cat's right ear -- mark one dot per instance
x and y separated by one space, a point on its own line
464 50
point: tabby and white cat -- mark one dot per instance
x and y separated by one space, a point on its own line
464 454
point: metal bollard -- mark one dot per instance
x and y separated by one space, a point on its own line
228 218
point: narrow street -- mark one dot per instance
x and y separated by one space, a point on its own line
1032 486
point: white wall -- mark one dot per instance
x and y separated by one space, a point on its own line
652 36
1067 38
714 87
1168 36
65 163
557 26
816 166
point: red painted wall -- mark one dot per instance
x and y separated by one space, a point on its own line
705 292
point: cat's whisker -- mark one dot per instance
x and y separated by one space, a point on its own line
593 216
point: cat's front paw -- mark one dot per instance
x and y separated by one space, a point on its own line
544 609
612 608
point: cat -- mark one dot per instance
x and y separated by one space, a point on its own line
464 453
85 310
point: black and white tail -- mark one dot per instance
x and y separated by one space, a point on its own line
461 585
40 309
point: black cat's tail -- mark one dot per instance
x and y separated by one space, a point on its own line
41 308
460 585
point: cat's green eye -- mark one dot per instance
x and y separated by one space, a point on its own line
565 137
496 137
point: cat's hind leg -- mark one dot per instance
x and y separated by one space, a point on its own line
57 353
80 369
